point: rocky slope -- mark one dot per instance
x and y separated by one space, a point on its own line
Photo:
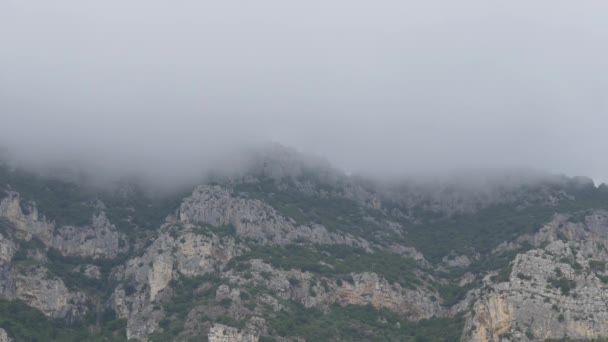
557 289
293 250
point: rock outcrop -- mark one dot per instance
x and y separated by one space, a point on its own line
558 289
37 288
27 225
250 333
181 251
253 219
360 289
100 239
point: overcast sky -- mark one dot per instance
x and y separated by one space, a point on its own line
376 86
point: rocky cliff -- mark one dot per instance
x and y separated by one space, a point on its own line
555 290
297 251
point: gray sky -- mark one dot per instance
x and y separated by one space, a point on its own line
377 86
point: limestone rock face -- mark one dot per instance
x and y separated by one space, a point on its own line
98 240
7 250
370 289
28 225
554 291
224 333
181 251
253 219
36 288
250 333
223 265
365 289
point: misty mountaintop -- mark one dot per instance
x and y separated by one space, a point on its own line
308 189
274 245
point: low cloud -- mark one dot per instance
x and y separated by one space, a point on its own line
385 88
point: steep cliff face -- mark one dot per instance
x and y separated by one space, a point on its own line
182 250
36 287
312 290
199 242
8 248
27 225
555 290
100 239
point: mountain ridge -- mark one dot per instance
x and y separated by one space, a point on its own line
294 249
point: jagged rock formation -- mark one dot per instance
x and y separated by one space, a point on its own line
27 225
98 240
553 291
178 252
253 219
37 288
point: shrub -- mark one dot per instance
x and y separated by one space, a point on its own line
597 265
523 276
564 284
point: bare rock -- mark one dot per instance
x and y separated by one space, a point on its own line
253 219
35 287
4 336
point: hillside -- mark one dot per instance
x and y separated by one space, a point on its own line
289 248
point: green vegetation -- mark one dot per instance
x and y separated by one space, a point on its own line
186 295
24 246
563 284
5 227
65 268
434 235
336 260
188 292
69 270
529 334
572 262
209 230
67 203
568 339
334 212
62 202
24 323
597 265
452 294
138 214
361 323
139 209
503 275
523 276
480 232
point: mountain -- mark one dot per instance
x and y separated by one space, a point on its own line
285 247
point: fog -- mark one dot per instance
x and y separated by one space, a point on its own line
378 87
